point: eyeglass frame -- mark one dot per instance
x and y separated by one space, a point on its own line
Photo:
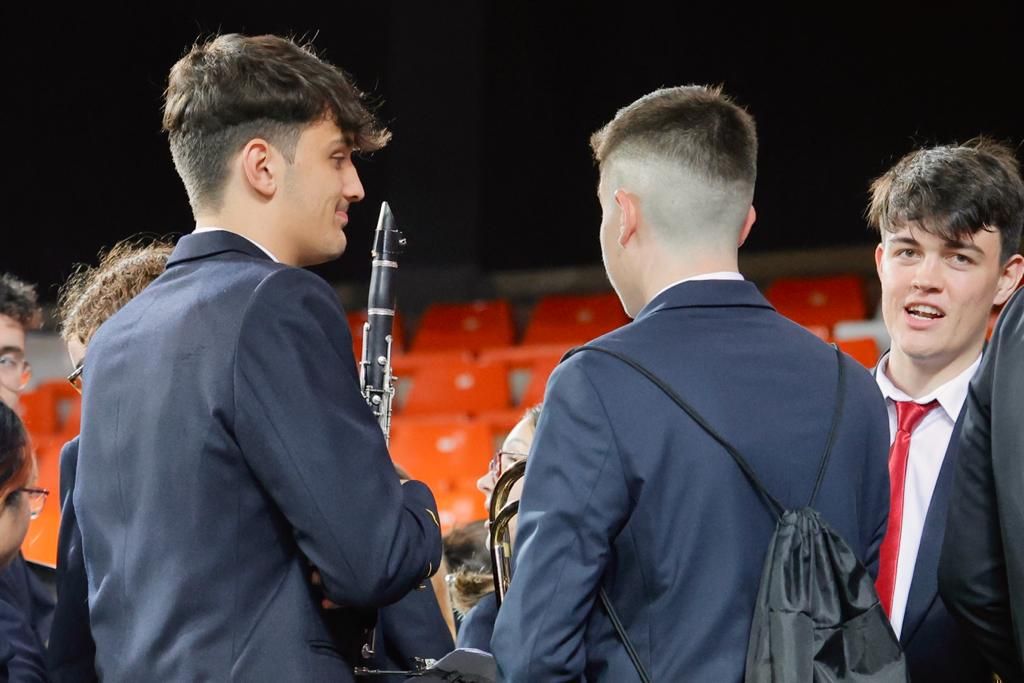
34 494
24 374
75 378
494 466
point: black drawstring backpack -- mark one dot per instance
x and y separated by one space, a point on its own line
817 616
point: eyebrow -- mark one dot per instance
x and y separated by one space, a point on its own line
12 349
950 244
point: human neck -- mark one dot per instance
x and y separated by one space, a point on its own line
918 378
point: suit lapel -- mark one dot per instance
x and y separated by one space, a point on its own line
924 585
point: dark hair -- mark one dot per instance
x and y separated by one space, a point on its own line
234 88
94 293
469 563
18 301
952 192
15 460
695 125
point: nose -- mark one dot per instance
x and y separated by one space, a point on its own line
352 187
927 275
486 484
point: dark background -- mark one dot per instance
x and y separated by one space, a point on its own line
492 104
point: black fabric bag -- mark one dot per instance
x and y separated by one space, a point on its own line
817 616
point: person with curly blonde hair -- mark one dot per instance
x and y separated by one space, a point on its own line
90 296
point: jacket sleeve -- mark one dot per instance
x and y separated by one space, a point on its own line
313 443
575 501
973 577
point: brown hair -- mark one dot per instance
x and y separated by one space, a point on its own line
952 192
697 126
18 300
94 293
234 88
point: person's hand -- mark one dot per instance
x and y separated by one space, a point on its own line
318 582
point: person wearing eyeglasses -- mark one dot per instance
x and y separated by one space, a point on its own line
474 591
20 312
21 649
89 297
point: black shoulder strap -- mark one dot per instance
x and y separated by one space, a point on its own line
773 503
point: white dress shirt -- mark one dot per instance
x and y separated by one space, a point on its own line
210 228
928 444
720 275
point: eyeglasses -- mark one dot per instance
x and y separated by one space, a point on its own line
15 371
36 499
75 378
495 465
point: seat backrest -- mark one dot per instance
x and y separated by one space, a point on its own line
455 386
574 319
470 327
820 300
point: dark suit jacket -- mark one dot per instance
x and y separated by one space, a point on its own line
478 624
21 652
981 573
624 491
71 649
27 611
937 648
412 627
225 447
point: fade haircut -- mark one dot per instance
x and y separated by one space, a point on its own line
234 88
694 129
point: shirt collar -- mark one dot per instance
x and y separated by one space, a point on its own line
210 228
951 395
718 275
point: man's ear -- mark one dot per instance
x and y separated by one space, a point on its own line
258 167
1009 279
629 215
747 225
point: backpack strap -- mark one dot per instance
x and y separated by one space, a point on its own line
840 393
621 630
771 501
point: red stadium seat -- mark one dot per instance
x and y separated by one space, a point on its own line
469 327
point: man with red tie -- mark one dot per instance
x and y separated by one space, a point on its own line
950 220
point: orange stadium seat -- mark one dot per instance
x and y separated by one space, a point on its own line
574 319
864 350
448 385
821 301
40 544
470 327
446 454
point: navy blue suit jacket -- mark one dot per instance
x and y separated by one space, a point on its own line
937 648
225 448
26 612
478 624
624 491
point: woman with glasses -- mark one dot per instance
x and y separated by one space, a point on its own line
21 651
473 592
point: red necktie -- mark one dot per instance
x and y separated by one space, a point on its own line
908 415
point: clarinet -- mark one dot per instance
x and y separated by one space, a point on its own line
375 378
